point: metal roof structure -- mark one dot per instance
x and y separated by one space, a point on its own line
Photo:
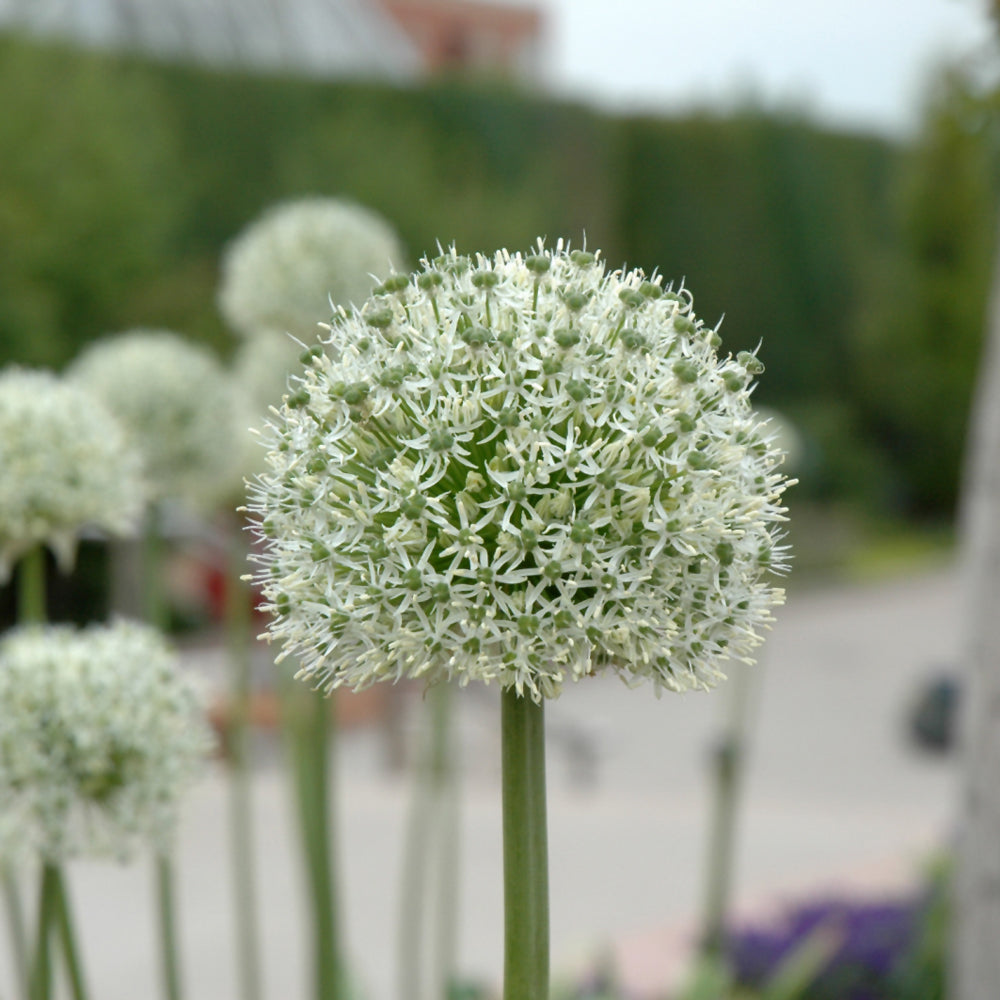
325 38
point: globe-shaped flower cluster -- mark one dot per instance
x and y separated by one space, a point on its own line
281 273
64 466
177 404
522 469
99 737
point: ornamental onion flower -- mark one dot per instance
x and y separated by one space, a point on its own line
99 737
177 404
522 469
283 271
64 466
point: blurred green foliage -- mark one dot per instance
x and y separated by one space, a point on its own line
917 343
861 265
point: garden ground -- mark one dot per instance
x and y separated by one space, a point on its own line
836 799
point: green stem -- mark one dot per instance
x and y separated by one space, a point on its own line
41 973
154 600
321 740
156 614
167 913
238 618
310 739
446 775
31 587
728 767
67 937
434 805
31 610
525 849
412 893
18 935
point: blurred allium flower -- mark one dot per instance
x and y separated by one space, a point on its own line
283 270
64 466
177 404
261 367
523 469
99 737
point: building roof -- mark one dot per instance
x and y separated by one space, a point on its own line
313 37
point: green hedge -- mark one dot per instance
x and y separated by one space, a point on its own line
122 180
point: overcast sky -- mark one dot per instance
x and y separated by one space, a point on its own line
850 62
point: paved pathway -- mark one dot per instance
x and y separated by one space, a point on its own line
835 797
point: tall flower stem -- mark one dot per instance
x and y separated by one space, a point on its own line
728 761
67 937
48 902
167 925
31 610
157 615
18 935
311 741
31 599
238 618
434 811
525 849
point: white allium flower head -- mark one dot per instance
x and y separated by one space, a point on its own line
283 271
177 404
100 736
522 469
64 466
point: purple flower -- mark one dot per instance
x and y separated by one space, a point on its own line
874 940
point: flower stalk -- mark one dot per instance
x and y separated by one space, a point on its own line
238 618
727 773
525 848
31 610
67 938
157 613
31 598
430 880
170 965
311 739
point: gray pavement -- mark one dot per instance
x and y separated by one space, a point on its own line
835 798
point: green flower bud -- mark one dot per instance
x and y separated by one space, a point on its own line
380 318
632 298
686 370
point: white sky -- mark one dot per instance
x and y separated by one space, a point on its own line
861 63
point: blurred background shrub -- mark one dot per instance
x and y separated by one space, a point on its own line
862 264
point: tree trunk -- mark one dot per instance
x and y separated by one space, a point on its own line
975 967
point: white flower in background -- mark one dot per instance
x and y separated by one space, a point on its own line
177 404
261 369
283 270
100 736
261 366
64 466
520 469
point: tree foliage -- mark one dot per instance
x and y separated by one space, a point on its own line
916 345
861 265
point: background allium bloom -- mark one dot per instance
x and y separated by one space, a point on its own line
177 404
283 270
522 469
99 737
64 466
